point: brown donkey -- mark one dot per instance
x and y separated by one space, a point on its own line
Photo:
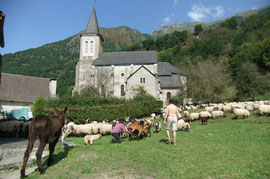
48 129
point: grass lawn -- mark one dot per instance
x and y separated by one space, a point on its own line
225 148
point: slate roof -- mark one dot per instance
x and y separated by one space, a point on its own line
126 58
165 68
21 88
169 76
170 82
92 27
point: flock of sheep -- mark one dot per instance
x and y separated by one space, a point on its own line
240 109
141 127
14 128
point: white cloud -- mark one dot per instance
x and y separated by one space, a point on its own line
167 20
200 13
219 11
254 8
175 2
196 16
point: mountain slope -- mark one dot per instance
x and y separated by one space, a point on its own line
189 26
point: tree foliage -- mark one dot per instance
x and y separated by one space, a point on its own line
206 81
230 23
198 29
250 82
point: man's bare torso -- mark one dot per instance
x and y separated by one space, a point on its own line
172 110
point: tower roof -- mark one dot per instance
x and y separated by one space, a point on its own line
92 27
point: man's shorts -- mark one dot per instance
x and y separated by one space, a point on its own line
171 121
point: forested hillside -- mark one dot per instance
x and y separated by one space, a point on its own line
59 59
189 26
241 47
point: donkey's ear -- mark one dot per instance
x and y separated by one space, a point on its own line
65 110
55 110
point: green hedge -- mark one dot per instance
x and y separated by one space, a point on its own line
97 109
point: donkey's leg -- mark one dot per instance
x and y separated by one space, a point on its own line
41 147
31 141
51 148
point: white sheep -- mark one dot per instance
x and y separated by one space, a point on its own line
241 112
209 109
194 116
187 108
186 113
227 107
105 129
74 129
181 124
249 107
264 109
205 114
193 107
90 138
216 114
88 129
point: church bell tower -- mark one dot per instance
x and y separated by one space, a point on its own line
90 44
90 48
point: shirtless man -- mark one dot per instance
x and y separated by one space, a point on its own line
170 119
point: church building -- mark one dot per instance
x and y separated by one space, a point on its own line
118 74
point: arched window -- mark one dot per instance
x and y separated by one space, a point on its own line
142 80
91 47
122 90
86 47
168 96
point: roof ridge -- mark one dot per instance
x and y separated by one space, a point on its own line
11 74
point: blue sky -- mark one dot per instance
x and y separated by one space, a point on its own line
33 23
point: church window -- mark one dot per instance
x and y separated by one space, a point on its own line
142 80
122 74
168 96
92 48
86 47
122 90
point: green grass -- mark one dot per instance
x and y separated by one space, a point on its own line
225 148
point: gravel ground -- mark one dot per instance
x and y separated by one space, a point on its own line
11 156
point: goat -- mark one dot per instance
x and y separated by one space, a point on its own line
48 129
157 126
204 120
139 128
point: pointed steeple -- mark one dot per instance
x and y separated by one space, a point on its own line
92 27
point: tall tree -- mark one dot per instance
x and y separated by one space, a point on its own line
197 29
250 82
206 81
230 23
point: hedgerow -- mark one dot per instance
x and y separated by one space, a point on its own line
81 108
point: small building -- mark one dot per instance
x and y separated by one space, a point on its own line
18 91
119 73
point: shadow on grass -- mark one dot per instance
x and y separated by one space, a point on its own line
163 141
58 157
